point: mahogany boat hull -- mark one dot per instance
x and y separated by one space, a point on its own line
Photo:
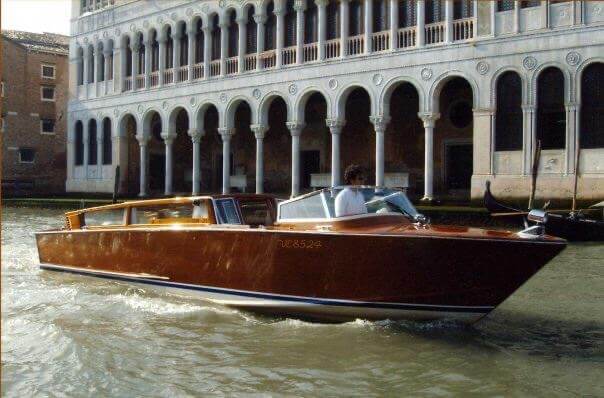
329 276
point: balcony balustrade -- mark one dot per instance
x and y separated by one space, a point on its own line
435 32
311 52
154 79
268 59
182 73
332 48
128 83
356 45
198 71
215 68
169 76
232 65
407 37
463 29
380 41
250 62
288 56
140 81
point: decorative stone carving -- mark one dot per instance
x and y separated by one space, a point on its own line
221 3
118 32
116 112
426 73
379 122
189 12
85 40
573 58
256 93
482 67
146 24
223 97
165 104
192 101
105 34
529 63
132 27
140 109
205 8
174 16
378 79
293 89
332 84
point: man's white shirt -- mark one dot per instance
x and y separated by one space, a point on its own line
349 202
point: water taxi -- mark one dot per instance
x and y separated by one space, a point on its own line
295 258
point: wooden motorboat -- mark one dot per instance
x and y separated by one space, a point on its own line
573 226
295 258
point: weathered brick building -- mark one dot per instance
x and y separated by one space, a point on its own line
34 112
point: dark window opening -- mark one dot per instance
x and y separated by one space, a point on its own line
551 115
591 134
48 125
460 114
26 155
508 116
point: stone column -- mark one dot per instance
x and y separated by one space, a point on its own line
207 50
224 46
86 67
191 51
86 140
169 141
529 115
70 149
429 120
119 68
148 59
322 16
572 135
379 123
295 130
242 49
335 128
107 54
96 65
142 142
516 17
448 21
421 23
545 13
259 132
135 48
394 4
196 141
368 25
300 6
176 36
344 28
162 59
279 13
226 135
99 150
260 20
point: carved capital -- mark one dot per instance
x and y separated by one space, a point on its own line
300 5
335 125
226 133
528 108
142 139
295 128
168 138
135 47
321 3
259 130
379 123
260 18
241 21
428 118
195 135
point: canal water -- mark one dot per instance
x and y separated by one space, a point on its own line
65 335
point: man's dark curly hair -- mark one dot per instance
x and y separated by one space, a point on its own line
352 172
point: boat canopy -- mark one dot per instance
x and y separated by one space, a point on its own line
320 205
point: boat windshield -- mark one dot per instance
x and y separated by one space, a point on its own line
321 204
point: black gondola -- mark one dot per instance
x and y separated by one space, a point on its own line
573 226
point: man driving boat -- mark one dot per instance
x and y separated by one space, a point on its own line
350 201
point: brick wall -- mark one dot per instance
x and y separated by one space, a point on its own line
23 110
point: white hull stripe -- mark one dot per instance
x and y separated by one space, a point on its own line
269 296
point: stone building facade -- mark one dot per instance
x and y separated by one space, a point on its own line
280 95
34 112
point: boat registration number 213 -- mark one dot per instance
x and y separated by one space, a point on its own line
299 244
